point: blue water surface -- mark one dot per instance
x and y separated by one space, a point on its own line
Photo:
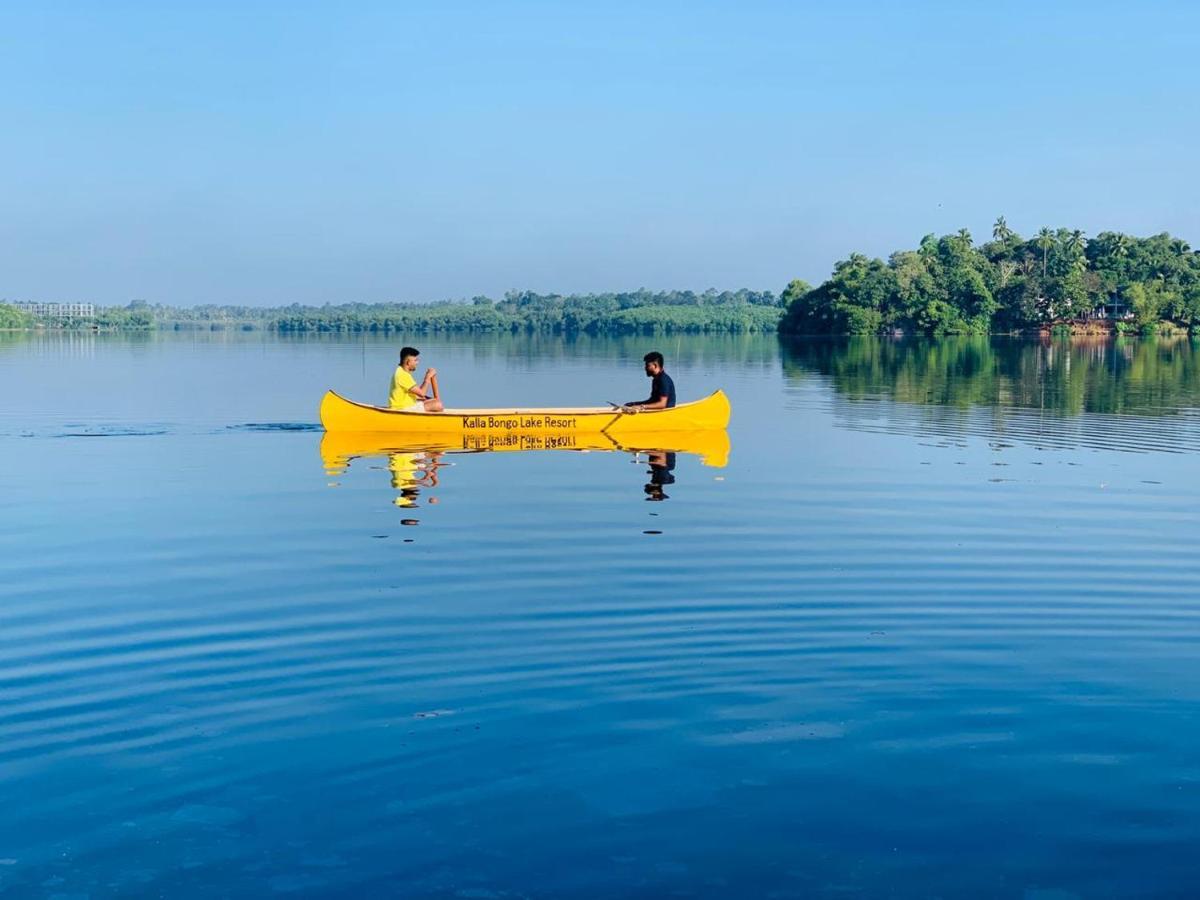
932 632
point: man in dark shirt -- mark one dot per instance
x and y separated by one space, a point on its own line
662 388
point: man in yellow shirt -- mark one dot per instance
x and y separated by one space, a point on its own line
406 394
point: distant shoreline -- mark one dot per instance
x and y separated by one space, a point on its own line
1058 330
634 312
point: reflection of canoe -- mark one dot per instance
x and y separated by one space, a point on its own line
340 414
338 448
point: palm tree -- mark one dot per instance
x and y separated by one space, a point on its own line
1045 240
1000 231
1075 243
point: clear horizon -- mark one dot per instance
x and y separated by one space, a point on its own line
270 154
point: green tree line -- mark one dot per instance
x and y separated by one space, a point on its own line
13 317
950 285
634 312
618 313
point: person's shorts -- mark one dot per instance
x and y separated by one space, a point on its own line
419 406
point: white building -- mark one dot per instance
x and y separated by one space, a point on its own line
60 310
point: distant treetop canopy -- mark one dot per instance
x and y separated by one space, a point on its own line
14 317
948 285
619 313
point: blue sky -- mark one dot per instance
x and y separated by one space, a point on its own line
268 153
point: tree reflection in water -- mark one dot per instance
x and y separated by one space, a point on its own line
1147 376
1126 393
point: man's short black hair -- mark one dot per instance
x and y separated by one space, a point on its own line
406 352
653 357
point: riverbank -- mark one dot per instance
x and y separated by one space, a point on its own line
1108 328
1091 329
633 312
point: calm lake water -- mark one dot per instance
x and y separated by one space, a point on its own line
932 631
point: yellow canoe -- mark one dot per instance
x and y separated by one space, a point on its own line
338 448
341 415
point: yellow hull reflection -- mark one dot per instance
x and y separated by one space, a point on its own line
339 447
341 415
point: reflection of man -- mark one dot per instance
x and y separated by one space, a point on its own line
661 472
410 473
403 467
662 388
406 394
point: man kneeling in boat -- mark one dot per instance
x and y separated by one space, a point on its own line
662 388
406 394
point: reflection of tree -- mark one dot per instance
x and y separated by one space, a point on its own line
1142 376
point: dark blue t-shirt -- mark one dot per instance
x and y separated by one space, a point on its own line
662 386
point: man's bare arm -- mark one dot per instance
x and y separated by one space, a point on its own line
422 391
660 403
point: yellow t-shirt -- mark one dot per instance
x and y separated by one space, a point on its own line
402 383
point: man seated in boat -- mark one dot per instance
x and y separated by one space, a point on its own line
662 388
406 394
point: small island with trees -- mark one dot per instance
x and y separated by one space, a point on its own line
1058 281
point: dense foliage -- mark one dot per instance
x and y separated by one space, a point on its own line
636 312
949 285
137 316
12 317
